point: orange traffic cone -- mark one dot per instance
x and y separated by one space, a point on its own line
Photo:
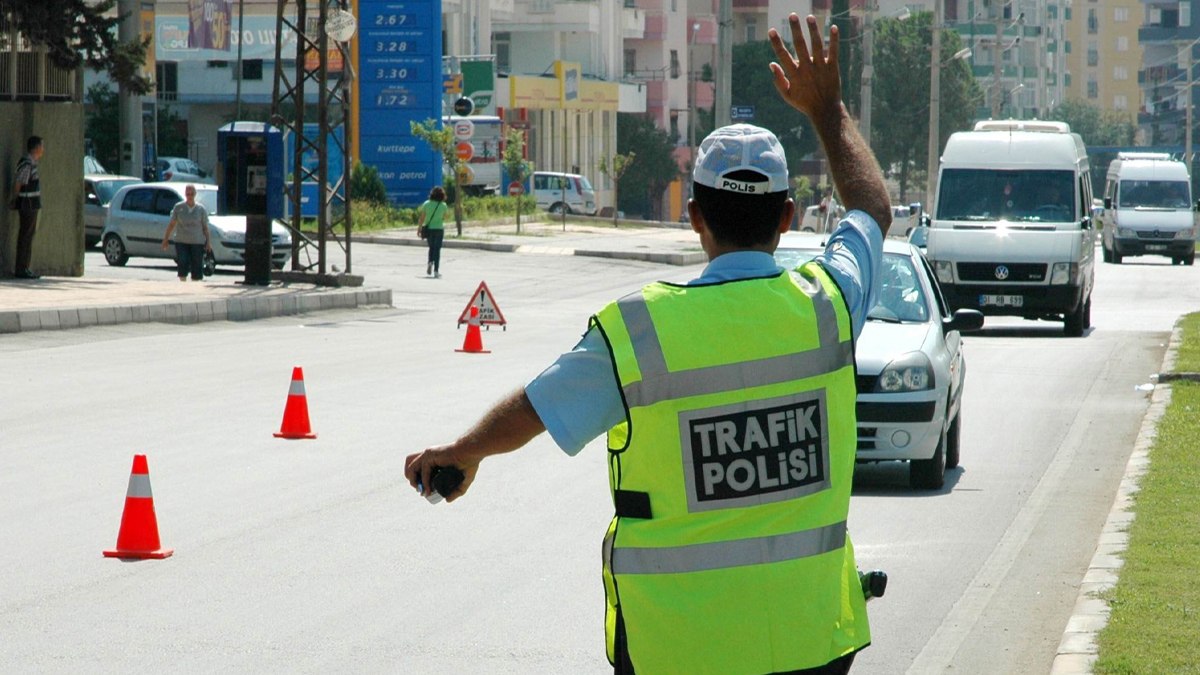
295 414
473 343
138 537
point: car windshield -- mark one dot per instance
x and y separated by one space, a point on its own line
1018 196
1153 194
901 296
105 189
208 199
583 182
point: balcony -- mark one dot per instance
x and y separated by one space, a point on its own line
559 15
656 26
656 93
1165 34
705 94
707 33
633 23
1165 73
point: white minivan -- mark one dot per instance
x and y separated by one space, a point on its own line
1011 225
558 191
1148 208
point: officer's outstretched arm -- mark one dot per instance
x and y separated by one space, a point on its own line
508 425
810 83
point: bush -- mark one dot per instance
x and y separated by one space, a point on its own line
366 185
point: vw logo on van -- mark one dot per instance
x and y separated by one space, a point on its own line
1001 272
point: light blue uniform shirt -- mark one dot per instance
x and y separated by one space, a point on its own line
578 397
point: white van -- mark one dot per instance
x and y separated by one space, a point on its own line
1148 208
556 191
1011 229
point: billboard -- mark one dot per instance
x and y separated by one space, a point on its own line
400 81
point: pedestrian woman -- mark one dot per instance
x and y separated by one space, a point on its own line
430 218
192 240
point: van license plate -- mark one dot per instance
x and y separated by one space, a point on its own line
1002 300
1156 247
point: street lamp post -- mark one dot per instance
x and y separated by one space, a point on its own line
692 116
935 104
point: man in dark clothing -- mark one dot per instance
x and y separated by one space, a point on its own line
28 201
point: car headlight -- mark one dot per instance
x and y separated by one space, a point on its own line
1063 273
1126 232
911 372
944 270
1189 233
228 235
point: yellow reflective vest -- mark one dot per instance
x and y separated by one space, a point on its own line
731 477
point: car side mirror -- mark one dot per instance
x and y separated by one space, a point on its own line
926 221
1198 204
1086 223
963 320
1108 202
92 198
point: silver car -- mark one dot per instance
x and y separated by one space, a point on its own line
98 191
138 216
911 368
182 169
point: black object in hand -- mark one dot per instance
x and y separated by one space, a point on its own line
446 479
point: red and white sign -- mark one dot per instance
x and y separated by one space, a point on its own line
489 311
464 129
515 188
464 150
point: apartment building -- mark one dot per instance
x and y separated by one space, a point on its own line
1107 54
1168 37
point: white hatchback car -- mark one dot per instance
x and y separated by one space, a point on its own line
138 217
98 191
182 169
910 362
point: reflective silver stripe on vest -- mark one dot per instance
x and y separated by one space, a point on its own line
30 194
139 485
726 554
657 384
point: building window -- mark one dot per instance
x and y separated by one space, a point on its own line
252 69
630 61
674 127
218 64
1122 43
1120 73
1120 102
501 45
751 30
1066 14
166 80
1093 89
1093 56
1093 22
674 64
1120 14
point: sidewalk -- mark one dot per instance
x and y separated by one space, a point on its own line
52 303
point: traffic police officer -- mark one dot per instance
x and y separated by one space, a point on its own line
729 406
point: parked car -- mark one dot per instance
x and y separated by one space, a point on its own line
821 222
910 362
557 191
182 169
138 217
91 165
98 191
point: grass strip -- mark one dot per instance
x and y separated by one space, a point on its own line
1155 622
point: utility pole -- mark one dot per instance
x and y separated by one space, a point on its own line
723 71
129 104
935 104
997 86
1187 143
868 73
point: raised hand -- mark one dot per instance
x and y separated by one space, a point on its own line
809 82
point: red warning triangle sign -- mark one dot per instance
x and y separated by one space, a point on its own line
489 311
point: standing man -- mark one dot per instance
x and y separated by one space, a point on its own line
28 201
192 240
729 405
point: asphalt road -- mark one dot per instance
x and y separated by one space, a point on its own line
308 556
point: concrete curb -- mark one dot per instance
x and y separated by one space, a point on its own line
193 310
1077 651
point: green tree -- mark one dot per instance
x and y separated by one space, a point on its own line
642 185
441 139
102 124
81 32
1096 126
614 169
752 85
900 118
515 165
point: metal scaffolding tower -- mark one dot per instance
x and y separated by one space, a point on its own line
290 110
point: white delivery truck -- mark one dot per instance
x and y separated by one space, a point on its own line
1011 230
1148 208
